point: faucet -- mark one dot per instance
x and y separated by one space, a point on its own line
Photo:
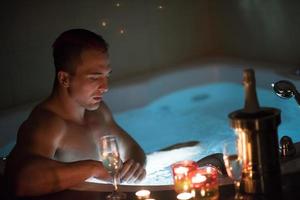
286 89
287 147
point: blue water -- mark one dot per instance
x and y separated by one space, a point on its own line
201 113
198 113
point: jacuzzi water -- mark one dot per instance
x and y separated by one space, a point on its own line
198 113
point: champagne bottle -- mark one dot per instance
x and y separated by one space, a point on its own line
256 128
251 101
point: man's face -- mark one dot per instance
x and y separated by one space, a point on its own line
90 80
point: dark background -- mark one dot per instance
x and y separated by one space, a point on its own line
182 31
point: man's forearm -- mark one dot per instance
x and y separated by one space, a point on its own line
41 175
138 155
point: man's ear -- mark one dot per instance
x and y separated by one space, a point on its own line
63 78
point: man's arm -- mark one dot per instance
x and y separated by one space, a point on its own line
131 152
39 175
30 168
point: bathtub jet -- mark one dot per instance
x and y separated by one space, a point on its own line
286 89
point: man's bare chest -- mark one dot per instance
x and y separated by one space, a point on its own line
80 142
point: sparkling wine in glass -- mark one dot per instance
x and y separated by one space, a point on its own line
110 157
233 163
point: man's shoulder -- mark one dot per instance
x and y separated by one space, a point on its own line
41 133
44 119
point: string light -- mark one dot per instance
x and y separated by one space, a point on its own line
122 31
118 3
103 23
161 5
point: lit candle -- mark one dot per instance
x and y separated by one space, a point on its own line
209 170
204 181
184 196
181 170
143 194
198 179
180 174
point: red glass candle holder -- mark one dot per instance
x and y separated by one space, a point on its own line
180 170
204 182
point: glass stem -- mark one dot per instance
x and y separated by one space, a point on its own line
237 186
116 182
238 195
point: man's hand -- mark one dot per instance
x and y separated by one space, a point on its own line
99 171
132 172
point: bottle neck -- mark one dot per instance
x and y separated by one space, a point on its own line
251 100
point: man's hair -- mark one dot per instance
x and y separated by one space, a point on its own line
69 45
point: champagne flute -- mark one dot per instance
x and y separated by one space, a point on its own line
233 163
110 156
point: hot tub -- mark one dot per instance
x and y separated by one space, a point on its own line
194 100
192 103
173 106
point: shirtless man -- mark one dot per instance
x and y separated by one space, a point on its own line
57 146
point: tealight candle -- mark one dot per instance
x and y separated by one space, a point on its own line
204 181
198 180
184 196
143 194
181 170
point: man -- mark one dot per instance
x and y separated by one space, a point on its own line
57 146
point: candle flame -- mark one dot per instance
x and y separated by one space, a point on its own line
181 170
185 187
198 178
202 192
208 170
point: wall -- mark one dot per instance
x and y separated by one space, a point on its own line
184 30
260 30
